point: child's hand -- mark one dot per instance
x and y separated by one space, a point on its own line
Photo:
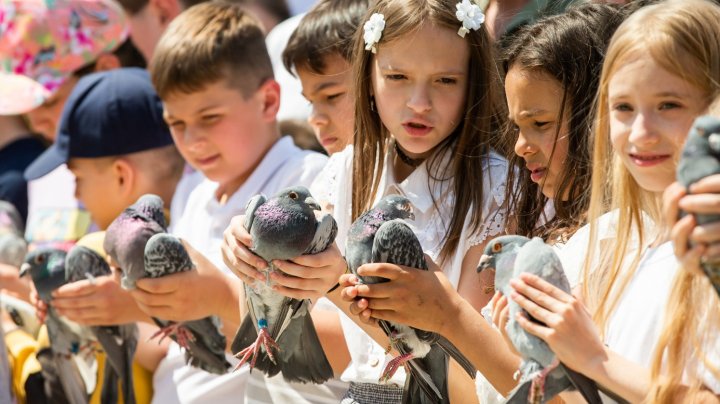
12 284
569 329
40 306
101 301
188 295
237 255
358 305
309 276
500 317
420 299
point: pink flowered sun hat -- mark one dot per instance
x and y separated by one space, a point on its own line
48 40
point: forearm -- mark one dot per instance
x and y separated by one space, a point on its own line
230 308
483 346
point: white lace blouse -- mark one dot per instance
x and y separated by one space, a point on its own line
333 189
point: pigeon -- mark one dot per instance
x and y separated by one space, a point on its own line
381 235
701 158
13 246
71 344
120 341
277 335
127 235
203 342
542 376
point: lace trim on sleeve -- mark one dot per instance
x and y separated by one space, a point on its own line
494 210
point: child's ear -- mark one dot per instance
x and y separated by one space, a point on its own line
124 176
106 62
270 97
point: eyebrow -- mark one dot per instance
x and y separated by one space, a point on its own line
532 113
401 70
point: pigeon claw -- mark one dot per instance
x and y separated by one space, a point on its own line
394 365
182 335
537 387
263 340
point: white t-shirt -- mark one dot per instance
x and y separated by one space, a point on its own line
334 187
189 180
202 224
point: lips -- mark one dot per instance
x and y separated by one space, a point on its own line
417 127
648 159
537 173
207 160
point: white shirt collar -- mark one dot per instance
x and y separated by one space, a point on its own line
274 159
418 186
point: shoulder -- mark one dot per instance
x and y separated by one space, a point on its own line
302 167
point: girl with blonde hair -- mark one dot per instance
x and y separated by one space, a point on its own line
661 71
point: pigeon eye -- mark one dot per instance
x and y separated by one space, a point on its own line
293 195
39 259
497 247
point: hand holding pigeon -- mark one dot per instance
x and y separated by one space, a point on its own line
278 335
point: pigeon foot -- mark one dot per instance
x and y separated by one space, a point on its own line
394 365
263 340
182 335
537 387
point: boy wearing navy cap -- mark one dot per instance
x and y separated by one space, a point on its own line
113 138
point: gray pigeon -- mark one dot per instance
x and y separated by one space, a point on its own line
127 235
701 158
381 235
543 376
68 340
203 342
13 246
119 342
283 227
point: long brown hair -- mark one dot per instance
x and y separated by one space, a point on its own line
570 48
471 141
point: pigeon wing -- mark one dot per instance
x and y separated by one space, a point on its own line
324 235
252 205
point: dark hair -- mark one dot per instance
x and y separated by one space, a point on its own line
326 29
127 54
470 143
207 43
570 47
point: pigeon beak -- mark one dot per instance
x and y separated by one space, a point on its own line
312 203
485 262
24 269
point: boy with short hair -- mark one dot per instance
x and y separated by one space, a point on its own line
212 70
320 53
114 140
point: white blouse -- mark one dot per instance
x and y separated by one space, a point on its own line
333 189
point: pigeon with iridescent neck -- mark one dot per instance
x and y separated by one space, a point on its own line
278 335
381 235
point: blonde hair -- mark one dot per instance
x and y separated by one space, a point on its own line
683 37
469 143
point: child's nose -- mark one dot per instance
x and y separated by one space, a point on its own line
523 147
419 100
317 118
643 129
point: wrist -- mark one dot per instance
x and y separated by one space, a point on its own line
454 312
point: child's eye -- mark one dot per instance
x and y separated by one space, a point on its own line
541 125
177 125
209 119
669 105
395 77
447 80
333 97
622 107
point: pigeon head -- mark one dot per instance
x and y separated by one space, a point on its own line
152 207
46 267
297 195
496 247
396 206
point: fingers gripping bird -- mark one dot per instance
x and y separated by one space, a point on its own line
542 375
381 235
278 334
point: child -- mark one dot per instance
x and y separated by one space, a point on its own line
646 105
320 52
552 75
114 140
427 105
213 73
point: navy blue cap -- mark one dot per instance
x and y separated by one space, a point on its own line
110 113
